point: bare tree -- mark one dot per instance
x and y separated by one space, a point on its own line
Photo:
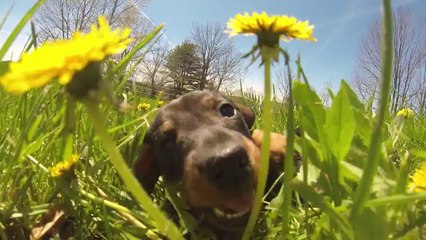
153 67
281 76
419 102
59 19
409 55
227 71
220 61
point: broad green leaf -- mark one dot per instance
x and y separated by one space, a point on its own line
354 174
340 125
403 174
312 113
370 225
330 93
364 125
312 166
353 98
410 231
419 154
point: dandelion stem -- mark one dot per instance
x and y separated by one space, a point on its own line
372 163
267 54
162 223
69 128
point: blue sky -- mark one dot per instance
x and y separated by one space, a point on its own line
339 27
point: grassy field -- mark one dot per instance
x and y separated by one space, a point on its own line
96 203
96 199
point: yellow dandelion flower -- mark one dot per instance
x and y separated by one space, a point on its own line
270 29
62 59
406 112
63 167
144 106
418 179
160 103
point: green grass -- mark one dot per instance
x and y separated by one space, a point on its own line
345 148
33 140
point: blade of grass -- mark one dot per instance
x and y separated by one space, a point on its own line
130 72
372 163
34 35
317 200
140 45
6 16
19 28
396 199
27 46
289 161
304 144
123 210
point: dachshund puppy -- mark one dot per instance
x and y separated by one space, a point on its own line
201 142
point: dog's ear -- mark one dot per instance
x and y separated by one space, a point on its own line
247 113
146 169
278 147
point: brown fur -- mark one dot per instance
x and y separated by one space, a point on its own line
202 143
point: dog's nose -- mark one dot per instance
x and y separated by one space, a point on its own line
229 168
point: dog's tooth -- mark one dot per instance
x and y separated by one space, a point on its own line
246 211
242 213
218 212
234 215
239 214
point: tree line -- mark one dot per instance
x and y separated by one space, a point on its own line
207 59
409 63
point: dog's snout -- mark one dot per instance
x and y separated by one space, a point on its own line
229 168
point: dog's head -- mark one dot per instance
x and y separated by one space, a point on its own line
202 142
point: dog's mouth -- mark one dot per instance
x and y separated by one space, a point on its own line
233 215
229 213
235 208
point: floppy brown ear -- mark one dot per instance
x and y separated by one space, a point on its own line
247 113
146 169
278 147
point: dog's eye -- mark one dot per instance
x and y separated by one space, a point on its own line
227 110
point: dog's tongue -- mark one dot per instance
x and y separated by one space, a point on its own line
242 203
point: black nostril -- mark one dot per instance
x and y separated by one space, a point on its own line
243 162
217 174
229 170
